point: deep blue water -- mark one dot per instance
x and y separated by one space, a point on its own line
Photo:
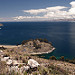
61 34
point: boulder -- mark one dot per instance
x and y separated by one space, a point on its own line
32 63
26 67
4 59
14 68
1 51
15 62
9 62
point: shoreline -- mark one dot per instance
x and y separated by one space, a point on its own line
9 46
33 53
39 53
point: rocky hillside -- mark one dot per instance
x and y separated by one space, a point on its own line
18 60
38 46
32 65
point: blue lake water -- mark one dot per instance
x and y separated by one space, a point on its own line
61 34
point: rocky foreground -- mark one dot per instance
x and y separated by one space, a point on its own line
18 60
32 65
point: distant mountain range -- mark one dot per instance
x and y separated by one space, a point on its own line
56 20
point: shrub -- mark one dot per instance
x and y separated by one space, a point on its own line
43 40
62 58
24 61
67 60
20 66
17 44
44 72
2 48
72 61
51 66
24 41
20 58
50 43
35 73
16 58
36 46
53 57
25 73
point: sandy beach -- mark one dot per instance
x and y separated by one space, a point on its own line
10 46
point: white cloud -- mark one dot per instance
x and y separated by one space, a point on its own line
48 9
33 11
55 8
72 9
72 4
56 12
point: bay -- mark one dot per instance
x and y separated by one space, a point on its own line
61 34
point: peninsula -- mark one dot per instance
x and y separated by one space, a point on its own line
36 46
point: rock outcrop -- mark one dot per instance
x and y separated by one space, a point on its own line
32 63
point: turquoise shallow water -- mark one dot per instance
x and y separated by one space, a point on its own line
61 34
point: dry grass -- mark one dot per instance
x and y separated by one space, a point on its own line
2 67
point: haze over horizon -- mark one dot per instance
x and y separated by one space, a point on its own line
36 10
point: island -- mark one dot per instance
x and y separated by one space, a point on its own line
1 24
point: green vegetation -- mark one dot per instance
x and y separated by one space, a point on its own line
72 61
25 73
36 46
35 42
62 58
55 70
24 41
43 40
53 57
2 48
20 66
40 39
2 67
24 61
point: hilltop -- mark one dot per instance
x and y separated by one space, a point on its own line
21 60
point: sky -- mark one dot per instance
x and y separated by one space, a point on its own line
36 10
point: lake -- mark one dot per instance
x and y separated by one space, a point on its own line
61 34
